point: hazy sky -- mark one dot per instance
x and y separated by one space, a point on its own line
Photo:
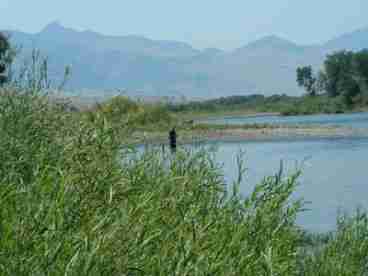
202 23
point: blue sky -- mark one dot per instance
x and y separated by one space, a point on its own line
202 23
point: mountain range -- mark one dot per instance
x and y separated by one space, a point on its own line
169 68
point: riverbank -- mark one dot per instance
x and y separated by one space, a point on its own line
226 114
208 132
280 104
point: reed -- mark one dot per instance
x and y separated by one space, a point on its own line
75 199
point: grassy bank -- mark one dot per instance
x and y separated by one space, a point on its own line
77 200
150 123
259 104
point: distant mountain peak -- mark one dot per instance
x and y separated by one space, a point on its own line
54 26
272 37
272 40
161 67
269 43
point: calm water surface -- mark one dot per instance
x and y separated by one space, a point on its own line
334 173
356 120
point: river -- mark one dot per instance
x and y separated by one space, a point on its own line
355 120
335 171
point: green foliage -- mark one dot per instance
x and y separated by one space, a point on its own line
283 104
154 116
306 79
54 172
118 109
251 103
345 77
4 57
21 144
337 66
71 204
342 77
76 201
314 105
344 252
124 112
361 64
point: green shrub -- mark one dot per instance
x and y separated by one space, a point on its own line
345 252
118 106
76 201
124 112
153 116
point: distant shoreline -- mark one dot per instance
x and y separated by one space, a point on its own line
244 115
237 134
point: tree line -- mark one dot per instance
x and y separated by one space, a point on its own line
253 102
4 57
344 75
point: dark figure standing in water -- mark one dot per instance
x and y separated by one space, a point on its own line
172 138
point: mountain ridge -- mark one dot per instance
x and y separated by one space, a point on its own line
171 68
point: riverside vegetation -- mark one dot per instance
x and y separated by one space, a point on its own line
279 104
253 104
76 199
341 86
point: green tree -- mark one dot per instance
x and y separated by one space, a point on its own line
4 57
321 81
306 79
339 73
348 88
360 66
361 63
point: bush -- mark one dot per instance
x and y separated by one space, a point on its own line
76 201
56 172
345 252
123 112
153 116
118 106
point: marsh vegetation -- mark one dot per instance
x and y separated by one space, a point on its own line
77 199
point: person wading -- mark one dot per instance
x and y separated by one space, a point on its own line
172 140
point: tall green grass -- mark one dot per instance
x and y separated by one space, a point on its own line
76 200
